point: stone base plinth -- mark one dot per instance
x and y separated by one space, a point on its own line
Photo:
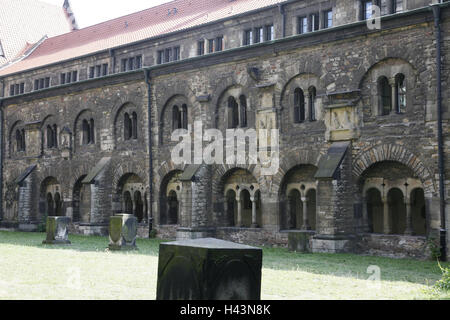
208 269
332 244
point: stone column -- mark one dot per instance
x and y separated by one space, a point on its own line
254 223
306 225
387 229
239 212
393 95
365 216
288 213
408 230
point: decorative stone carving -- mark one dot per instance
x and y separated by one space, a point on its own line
122 232
57 232
208 269
341 118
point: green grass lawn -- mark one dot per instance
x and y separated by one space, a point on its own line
85 270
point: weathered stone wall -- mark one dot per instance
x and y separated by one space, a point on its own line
349 59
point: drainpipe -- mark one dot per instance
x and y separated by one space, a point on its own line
437 25
150 148
1 159
283 16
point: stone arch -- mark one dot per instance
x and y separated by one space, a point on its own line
119 129
89 117
14 146
81 201
297 198
242 182
169 198
126 166
129 191
49 191
397 153
389 68
165 116
238 92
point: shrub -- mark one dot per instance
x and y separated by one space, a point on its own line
42 227
444 283
152 234
434 247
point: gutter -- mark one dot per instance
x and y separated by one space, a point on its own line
150 149
437 25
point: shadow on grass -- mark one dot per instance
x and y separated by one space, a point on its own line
353 266
79 243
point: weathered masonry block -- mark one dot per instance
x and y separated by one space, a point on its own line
208 269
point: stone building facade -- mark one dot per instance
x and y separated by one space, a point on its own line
356 109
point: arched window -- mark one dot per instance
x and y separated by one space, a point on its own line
23 140
86 132
49 137
233 113
385 93
127 126
400 93
134 127
176 118
299 106
243 111
55 136
19 141
92 131
184 117
312 104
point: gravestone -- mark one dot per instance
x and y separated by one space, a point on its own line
57 230
299 241
122 232
208 269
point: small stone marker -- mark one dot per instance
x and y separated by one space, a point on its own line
122 232
208 269
57 232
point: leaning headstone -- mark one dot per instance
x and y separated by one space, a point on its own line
122 232
208 269
299 241
57 230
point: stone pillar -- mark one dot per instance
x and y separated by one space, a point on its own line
239 212
408 229
306 225
254 223
365 216
387 229
393 95
288 212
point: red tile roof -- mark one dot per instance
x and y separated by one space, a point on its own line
24 21
166 18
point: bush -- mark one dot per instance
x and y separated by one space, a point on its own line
152 234
435 248
444 283
42 227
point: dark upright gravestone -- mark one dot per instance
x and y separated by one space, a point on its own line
57 232
122 232
208 269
